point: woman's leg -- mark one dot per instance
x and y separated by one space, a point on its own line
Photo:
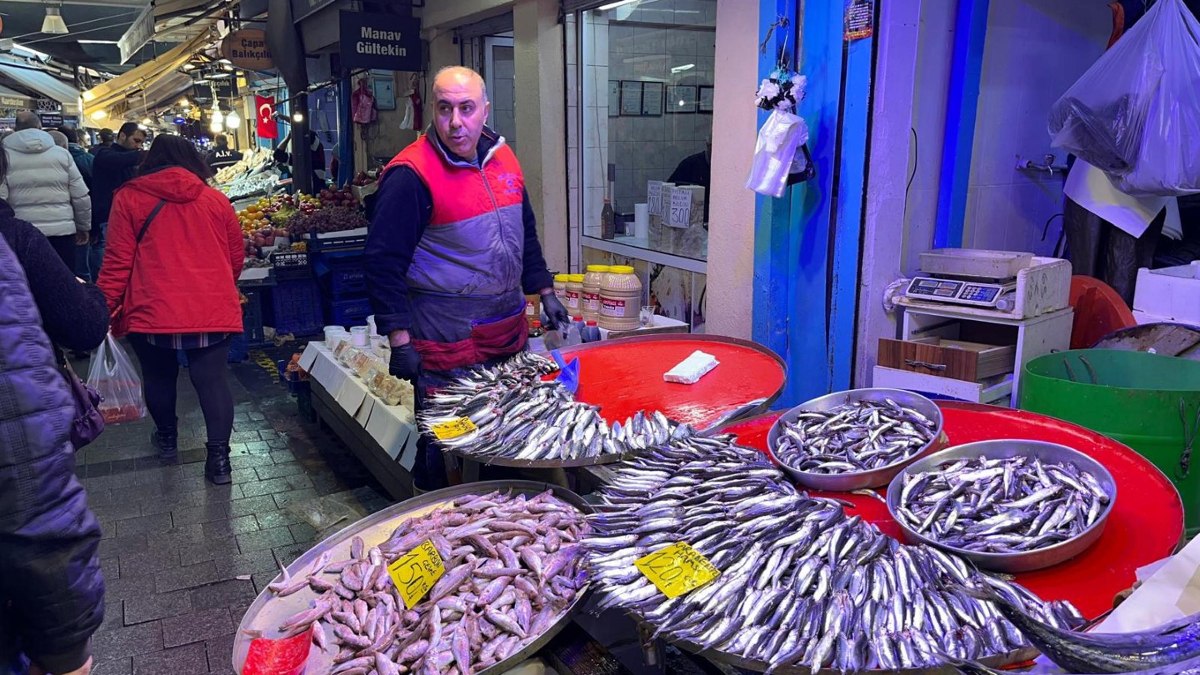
160 371
207 367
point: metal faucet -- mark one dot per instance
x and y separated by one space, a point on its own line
1047 165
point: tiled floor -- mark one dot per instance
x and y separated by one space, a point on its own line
183 559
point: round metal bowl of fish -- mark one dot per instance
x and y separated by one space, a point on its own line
1024 561
267 611
858 480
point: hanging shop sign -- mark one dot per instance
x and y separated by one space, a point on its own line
51 120
264 107
247 48
138 34
13 101
380 41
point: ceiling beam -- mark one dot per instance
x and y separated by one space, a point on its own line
91 3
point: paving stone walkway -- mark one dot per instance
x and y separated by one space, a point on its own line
183 559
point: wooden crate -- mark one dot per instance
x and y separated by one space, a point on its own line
955 359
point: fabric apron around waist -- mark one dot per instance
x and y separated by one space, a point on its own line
454 331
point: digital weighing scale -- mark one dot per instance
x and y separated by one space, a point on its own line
964 276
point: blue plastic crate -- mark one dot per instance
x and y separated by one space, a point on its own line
348 279
297 308
350 312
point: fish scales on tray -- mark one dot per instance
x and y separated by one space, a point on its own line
517 416
854 436
801 584
513 565
1002 505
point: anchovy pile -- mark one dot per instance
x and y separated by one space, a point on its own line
513 565
1002 505
518 416
852 437
801 583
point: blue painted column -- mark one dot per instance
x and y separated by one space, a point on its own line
808 243
962 102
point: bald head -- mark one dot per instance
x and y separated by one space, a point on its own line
460 110
27 120
60 139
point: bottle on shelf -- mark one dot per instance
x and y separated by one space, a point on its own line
608 221
591 332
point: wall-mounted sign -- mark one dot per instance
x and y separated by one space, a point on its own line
247 48
138 34
382 41
51 120
859 18
14 102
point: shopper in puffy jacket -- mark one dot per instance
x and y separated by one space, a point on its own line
45 187
51 587
177 289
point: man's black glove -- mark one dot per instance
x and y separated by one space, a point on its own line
555 312
405 362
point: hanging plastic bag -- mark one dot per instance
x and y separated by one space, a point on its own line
1136 112
780 137
112 374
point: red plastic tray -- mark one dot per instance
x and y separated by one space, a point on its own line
1146 523
624 376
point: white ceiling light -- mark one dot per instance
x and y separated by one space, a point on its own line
233 120
614 5
99 114
53 24
680 69
298 117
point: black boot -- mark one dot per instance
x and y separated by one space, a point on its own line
166 442
216 467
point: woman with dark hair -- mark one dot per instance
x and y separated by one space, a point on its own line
170 274
51 587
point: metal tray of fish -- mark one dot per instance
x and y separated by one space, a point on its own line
858 480
267 611
1023 561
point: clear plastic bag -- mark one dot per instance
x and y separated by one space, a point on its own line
1136 112
111 373
779 140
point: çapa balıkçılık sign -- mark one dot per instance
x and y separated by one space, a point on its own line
382 41
247 48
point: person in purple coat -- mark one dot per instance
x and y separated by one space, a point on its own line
51 587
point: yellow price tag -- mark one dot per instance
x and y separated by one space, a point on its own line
453 428
416 572
677 569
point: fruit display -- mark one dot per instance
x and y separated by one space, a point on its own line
328 219
342 197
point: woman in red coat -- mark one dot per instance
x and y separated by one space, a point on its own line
174 254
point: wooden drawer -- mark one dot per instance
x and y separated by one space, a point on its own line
956 359
999 393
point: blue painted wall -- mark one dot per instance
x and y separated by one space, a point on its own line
807 243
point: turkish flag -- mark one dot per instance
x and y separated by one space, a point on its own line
264 112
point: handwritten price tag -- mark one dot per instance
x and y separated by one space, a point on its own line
416 572
680 214
453 428
677 569
654 198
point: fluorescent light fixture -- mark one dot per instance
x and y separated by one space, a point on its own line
680 69
226 67
189 66
614 5
218 76
53 24
233 120
99 115
97 42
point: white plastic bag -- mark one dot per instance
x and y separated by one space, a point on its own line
1136 112
778 142
112 374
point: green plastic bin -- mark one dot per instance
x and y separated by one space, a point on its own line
1149 402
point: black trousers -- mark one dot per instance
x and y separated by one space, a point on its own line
206 367
64 246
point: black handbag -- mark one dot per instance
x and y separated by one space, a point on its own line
88 423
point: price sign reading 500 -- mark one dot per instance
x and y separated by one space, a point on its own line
416 572
677 569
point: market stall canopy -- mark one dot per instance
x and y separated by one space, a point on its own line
30 77
127 90
162 94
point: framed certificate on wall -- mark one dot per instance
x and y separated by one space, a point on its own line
681 98
383 86
631 98
652 99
